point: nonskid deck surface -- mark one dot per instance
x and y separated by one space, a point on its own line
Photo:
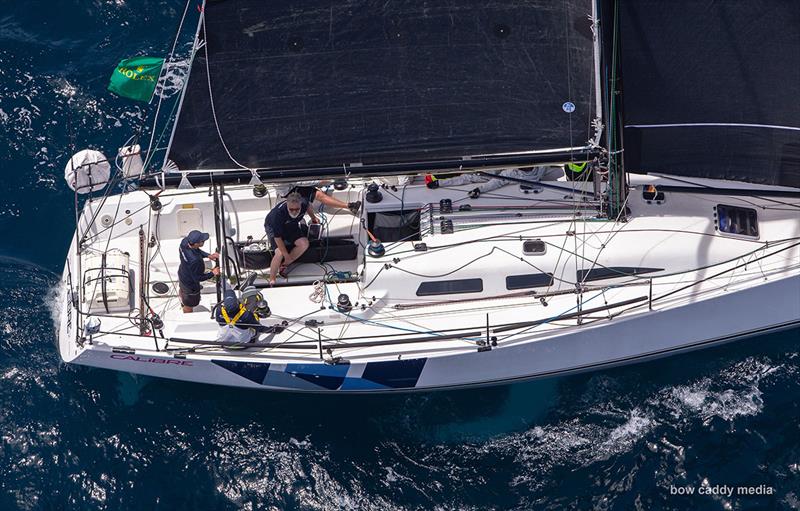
481 284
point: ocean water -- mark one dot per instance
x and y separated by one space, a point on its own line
637 437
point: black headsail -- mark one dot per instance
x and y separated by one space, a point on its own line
308 85
711 88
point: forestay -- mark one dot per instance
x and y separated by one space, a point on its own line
710 89
304 85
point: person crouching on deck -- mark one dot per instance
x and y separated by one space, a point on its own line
239 324
288 232
192 270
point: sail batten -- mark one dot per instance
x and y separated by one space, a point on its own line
710 89
374 82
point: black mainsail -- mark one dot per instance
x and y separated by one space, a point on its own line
711 88
305 85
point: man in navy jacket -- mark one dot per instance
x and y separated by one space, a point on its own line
288 232
192 270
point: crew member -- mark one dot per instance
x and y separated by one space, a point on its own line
309 191
288 232
577 171
192 270
239 324
488 183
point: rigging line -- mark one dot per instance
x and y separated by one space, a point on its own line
713 200
711 277
473 261
447 273
609 238
211 98
151 152
172 279
347 316
384 325
288 344
355 217
90 239
145 277
116 179
383 267
611 91
547 320
558 260
413 253
119 156
569 71
161 96
107 192
108 243
547 202
705 267
701 185
513 235
574 229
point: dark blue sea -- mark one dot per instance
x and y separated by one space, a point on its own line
76 438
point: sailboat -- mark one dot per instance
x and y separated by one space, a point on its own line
662 215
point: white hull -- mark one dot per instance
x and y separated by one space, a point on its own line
621 342
742 288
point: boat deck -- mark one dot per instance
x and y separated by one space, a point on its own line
391 318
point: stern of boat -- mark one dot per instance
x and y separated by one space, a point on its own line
65 314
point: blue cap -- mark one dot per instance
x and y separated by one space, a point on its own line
196 237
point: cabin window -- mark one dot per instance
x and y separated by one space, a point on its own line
736 220
395 225
534 247
450 287
529 280
613 272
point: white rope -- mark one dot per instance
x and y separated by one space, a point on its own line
211 99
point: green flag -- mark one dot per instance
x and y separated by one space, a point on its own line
136 78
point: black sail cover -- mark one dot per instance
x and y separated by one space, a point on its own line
712 88
308 84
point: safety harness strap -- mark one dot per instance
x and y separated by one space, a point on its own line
228 320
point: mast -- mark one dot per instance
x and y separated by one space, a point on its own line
597 35
617 180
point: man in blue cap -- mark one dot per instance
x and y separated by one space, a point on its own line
192 270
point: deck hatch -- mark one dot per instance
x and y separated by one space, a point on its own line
534 247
